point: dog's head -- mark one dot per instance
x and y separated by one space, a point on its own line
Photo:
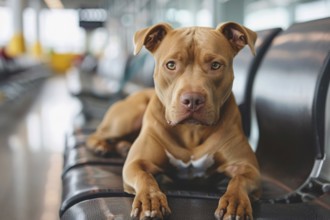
193 71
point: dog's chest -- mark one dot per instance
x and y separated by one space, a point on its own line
193 168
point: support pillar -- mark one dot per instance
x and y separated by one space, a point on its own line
37 50
16 45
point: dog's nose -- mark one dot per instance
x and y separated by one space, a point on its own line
192 100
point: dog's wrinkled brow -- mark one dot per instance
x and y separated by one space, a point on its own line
208 57
179 55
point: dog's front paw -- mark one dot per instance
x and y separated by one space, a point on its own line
122 148
150 205
234 205
103 147
98 145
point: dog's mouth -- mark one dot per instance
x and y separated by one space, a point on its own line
190 119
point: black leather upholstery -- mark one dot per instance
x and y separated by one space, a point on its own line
137 74
76 154
86 182
191 209
290 95
245 69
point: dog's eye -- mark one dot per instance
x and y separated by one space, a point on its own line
215 65
171 65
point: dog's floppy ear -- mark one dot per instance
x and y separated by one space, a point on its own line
238 36
150 37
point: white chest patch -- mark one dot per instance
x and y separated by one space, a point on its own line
193 168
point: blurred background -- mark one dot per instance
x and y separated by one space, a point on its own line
62 60
57 25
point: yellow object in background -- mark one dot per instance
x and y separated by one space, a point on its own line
16 46
36 50
61 62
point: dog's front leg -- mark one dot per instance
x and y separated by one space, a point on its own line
235 203
149 202
145 159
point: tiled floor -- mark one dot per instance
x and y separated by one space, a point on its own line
31 145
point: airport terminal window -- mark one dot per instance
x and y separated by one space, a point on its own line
61 31
266 19
267 14
5 26
204 18
29 18
319 9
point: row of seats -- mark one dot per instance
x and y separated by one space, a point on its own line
20 80
284 97
135 75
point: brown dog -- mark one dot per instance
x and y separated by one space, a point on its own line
190 121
